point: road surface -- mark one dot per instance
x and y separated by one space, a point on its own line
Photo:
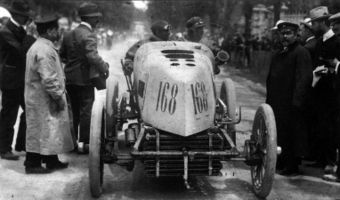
72 183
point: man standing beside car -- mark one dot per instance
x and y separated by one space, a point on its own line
14 43
289 78
48 129
79 52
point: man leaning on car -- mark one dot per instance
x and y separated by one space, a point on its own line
79 52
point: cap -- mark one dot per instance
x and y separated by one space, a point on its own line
307 22
288 25
277 24
89 10
160 25
195 22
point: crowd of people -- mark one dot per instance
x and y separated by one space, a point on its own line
41 79
50 70
303 90
53 82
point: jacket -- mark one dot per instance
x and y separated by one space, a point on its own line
48 129
79 52
14 44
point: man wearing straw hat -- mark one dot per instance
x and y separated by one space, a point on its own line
327 51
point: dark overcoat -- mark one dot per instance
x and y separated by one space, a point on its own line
79 52
290 76
14 44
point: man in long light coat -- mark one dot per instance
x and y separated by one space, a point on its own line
48 128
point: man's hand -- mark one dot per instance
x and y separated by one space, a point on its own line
333 62
128 67
107 72
60 104
318 73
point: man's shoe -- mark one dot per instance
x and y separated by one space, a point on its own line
56 165
37 170
329 169
9 156
331 178
19 148
83 148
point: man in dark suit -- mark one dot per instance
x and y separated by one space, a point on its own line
333 64
79 52
288 80
327 49
14 43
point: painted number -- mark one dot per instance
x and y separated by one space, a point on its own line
200 97
166 103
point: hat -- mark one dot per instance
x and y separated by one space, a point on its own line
319 13
195 22
277 24
160 25
89 10
307 22
20 7
335 18
44 19
288 25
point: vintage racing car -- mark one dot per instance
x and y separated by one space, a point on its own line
176 120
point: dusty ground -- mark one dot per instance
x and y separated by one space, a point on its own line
72 183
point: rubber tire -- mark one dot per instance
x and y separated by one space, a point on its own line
266 113
112 95
96 137
228 96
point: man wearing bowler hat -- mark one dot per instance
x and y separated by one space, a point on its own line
327 53
79 52
14 43
288 80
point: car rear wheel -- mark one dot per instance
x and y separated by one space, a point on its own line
228 96
264 137
96 165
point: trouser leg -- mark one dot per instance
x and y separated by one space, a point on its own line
51 159
74 94
87 98
8 116
21 137
32 160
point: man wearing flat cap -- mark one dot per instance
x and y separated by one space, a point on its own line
288 80
161 31
48 129
195 29
79 52
14 43
327 53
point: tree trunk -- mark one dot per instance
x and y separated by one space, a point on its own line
248 13
277 10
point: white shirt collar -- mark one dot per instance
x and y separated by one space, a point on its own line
328 35
15 22
310 38
86 24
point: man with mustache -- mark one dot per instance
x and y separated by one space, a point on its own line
288 80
